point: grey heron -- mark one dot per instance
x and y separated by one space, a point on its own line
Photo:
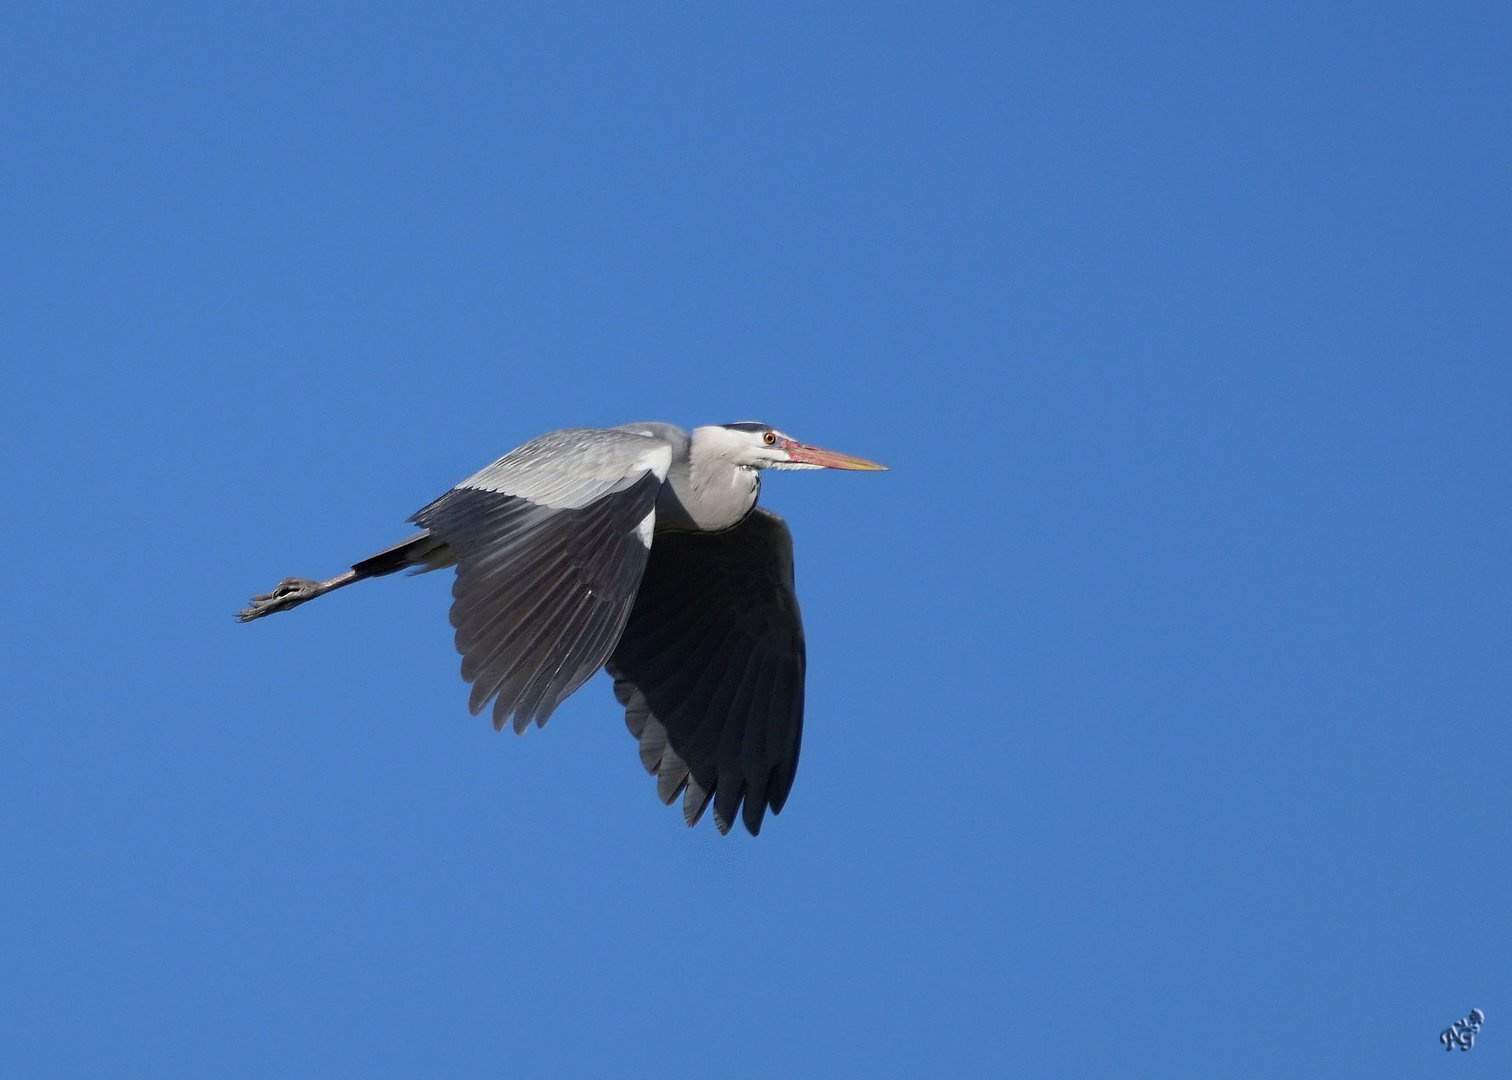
638 549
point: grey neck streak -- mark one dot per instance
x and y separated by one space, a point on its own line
705 492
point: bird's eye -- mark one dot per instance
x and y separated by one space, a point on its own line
769 438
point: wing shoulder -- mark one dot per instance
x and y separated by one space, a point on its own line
571 468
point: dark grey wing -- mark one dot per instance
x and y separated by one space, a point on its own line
550 543
710 670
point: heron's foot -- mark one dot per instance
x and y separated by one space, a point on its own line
291 592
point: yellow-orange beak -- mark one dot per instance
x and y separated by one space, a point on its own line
828 459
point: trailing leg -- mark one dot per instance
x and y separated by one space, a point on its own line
419 553
290 593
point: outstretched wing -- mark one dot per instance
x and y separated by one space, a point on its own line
710 670
550 543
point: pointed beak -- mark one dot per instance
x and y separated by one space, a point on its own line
828 459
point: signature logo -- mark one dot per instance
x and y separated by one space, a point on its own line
1461 1033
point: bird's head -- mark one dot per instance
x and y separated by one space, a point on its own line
750 445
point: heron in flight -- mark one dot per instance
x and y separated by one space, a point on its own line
638 549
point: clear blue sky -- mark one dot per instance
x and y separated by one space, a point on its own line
1158 697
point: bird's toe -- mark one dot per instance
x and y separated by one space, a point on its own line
288 593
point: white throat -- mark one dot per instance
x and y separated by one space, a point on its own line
707 490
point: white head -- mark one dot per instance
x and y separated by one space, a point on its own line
749 445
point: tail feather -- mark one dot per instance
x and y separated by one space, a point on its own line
419 553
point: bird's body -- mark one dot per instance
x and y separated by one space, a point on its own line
638 549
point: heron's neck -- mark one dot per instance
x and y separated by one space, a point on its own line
706 493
